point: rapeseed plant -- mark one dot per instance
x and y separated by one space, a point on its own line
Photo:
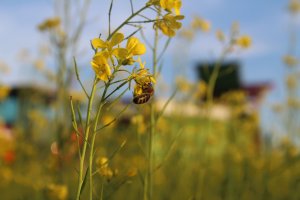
111 59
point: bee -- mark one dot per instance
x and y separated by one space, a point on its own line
147 93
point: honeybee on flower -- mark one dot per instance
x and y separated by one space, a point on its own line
143 90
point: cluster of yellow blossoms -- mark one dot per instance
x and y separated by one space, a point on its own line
110 51
169 23
110 57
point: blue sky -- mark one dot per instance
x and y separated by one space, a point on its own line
266 21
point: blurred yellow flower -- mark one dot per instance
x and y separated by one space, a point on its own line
290 60
291 82
235 28
139 121
244 41
57 192
49 24
108 119
100 65
201 24
4 68
103 168
220 35
294 6
187 34
201 89
278 108
132 172
183 84
39 64
169 24
293 103
4 91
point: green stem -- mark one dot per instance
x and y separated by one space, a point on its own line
91 156
148 180
87 130
96 121
210 99
213 78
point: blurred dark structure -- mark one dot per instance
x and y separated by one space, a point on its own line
229 79
21 99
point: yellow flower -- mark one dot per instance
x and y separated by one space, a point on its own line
183 84
220 35
201 90
133 48
143 79
4 92
153 2
116 39
132 172
100 65
294 6
108 119
49 24
244 41
290 60
187 34
168 5
169 24
102 162
59 192
103 168
291 82
143 76
39 64
202 24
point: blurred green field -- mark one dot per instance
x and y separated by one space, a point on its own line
194 158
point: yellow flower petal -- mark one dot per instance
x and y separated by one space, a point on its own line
100 65
131 43
98 43
142 65
177 7
117 38
139 49
244 41
179 17
120 53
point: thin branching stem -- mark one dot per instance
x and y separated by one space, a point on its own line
78 78
164 49
131 7
127 20
109 16
146 40
132 34
142 22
